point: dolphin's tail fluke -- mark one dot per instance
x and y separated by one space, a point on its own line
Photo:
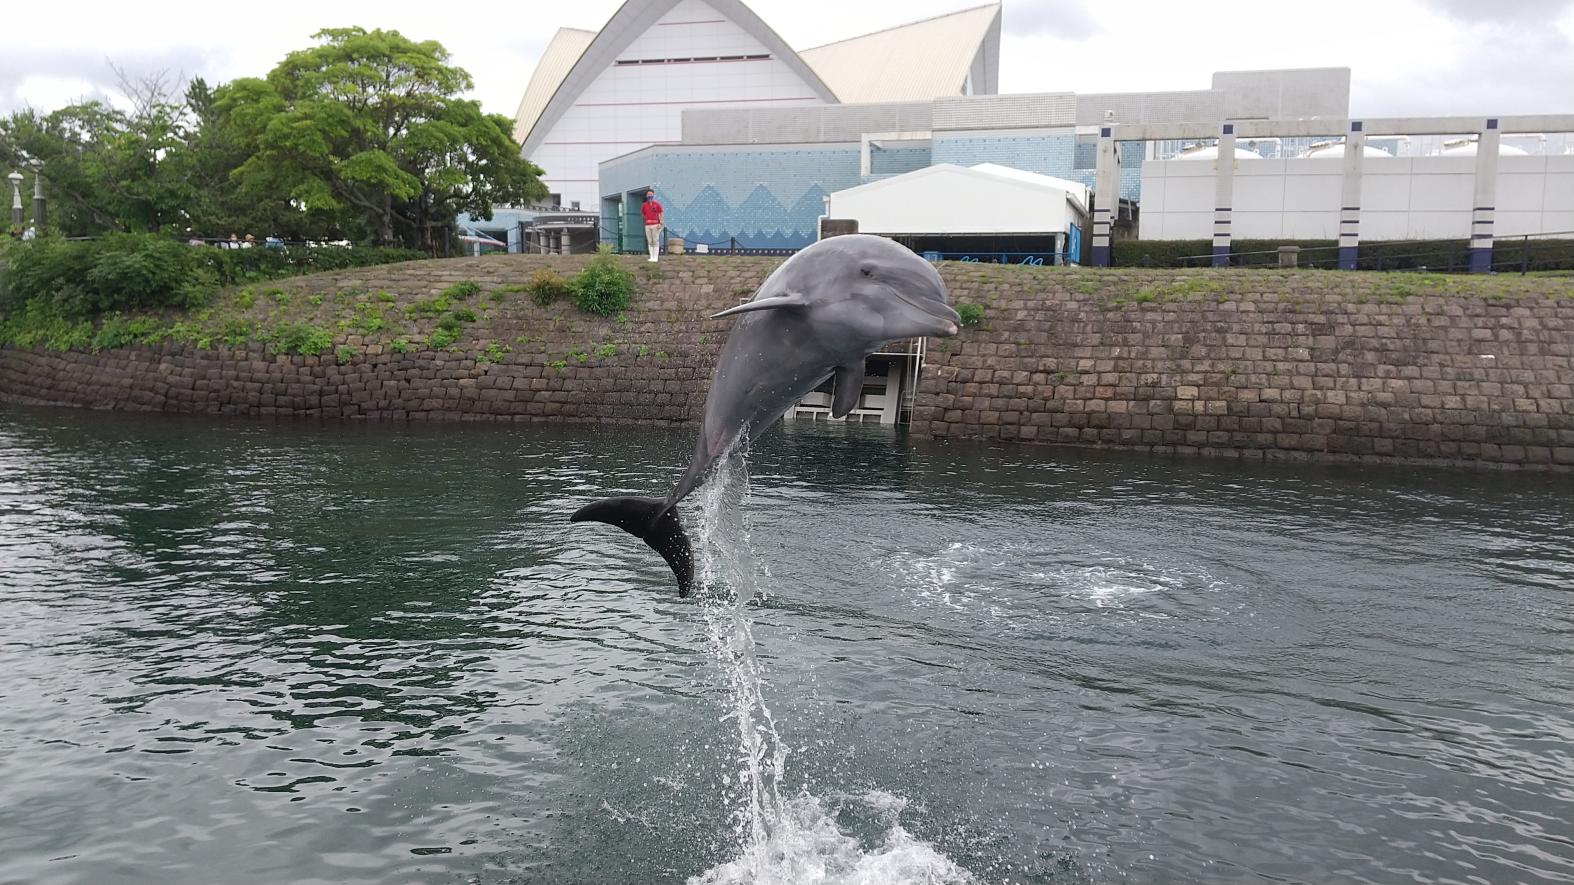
653 521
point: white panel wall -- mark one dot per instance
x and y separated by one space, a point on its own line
631 106
1402 198
942 200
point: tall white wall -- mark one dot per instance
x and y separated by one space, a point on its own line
631 106
1402 198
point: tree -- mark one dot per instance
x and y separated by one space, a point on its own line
106 169
368 130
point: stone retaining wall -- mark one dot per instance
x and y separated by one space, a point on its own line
1303 364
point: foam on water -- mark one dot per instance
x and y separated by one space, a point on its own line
797 839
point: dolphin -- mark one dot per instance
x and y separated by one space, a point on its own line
820 314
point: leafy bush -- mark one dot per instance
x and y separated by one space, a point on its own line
603 288
299 338
443 337
1439 255
142 271
546 286
461 290
971 314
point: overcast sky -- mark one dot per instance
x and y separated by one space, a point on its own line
1408 57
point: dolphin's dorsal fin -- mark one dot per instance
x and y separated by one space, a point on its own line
849 386
791 300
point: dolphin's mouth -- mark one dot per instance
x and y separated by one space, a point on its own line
947 320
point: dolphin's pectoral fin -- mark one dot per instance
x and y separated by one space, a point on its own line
655 523
849 386
775 302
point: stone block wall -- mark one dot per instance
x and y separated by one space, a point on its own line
1266 364
1304 365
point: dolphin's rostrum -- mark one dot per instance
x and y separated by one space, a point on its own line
821 313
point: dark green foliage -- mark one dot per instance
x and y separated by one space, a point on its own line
971 314
298 338
1508 255
443 337
237 266
368 130
546 286
120 271
461 290
603 288
146 271
464 315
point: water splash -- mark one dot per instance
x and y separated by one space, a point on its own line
797 839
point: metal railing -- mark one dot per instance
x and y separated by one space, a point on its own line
1509 254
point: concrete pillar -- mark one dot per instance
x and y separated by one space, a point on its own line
1060 249
1483 210
16 198
1350 197
40 217
1289 256
1223 195
1106 196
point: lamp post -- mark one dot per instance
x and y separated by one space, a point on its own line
40 217
16 198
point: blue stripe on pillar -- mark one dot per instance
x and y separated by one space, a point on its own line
1221 256
1347 256
1101 256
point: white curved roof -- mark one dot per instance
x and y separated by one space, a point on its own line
913 62
567 45
1333 150
1211 152
951 199
922 60
631 20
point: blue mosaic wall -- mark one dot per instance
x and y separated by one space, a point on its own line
771 198
897 161
1044 154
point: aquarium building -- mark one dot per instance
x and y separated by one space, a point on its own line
595 95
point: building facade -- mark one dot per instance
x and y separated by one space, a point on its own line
596 95
756 178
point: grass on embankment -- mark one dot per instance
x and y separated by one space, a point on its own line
314 314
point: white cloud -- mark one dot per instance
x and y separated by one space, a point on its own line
1407 56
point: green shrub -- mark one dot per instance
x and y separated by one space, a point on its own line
117 330
299 338
464 315
426 307
236 332
603 288
344 353
125 271
400 345
442 338
461 290
546 286
971 314
39 324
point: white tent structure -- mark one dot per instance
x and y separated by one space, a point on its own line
947 200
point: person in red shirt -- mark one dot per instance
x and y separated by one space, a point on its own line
651 210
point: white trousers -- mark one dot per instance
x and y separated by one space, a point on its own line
653 239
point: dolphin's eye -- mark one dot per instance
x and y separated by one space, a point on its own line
866 270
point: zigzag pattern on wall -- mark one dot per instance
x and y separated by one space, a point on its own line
710 219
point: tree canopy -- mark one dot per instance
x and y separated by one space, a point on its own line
364 136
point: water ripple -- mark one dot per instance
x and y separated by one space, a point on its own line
334 653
